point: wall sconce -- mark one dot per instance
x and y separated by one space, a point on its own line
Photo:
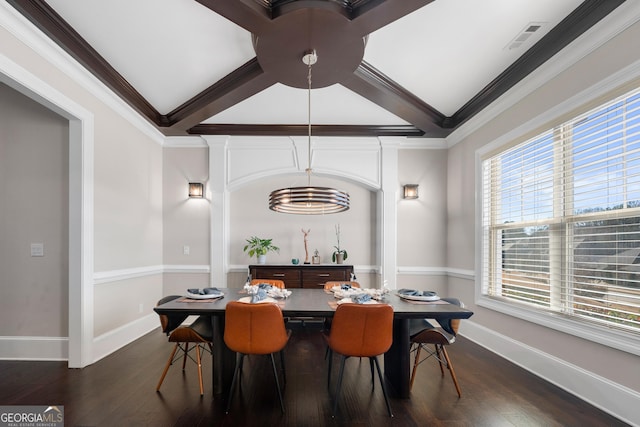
196 190
411 191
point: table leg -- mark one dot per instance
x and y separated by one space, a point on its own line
397 361
224 360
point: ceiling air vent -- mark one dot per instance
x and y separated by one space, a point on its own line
524 35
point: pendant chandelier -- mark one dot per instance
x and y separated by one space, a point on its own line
309 200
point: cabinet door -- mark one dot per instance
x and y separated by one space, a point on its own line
316 277
290 277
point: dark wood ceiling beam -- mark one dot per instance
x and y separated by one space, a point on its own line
379 89
375 14
56 28
242 83
248 14
589 13
302 130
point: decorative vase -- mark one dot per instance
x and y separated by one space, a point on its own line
339 258
262 259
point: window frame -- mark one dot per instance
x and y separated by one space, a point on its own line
614 338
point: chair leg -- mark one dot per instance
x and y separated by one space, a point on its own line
186 352
330 353
453 373
166 368
339 386
438 347
199 362
373 378
236 374
275 376
284 371
384 389
416 362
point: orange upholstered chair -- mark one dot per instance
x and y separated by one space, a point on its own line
329 285
361 330
199 333
273 282
423 333
255 329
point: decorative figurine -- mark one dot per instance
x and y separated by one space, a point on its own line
306 250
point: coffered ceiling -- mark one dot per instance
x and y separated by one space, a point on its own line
234 67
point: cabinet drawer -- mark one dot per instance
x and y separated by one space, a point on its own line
313 278
291 278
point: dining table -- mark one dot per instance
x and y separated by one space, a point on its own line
322 304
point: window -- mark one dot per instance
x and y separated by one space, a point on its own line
561 220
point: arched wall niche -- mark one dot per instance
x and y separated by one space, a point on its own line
250 215
243 165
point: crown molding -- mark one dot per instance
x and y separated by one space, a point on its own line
609 27
41 44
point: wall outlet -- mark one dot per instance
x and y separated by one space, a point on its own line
141 308
186 250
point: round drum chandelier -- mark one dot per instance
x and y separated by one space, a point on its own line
309 200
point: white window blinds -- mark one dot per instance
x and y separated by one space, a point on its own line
561 218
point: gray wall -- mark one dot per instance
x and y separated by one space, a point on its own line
620 367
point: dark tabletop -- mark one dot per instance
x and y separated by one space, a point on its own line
317 303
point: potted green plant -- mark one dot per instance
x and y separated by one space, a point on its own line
260 247
339 255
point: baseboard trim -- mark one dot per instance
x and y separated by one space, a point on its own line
115 339
613 398
34 348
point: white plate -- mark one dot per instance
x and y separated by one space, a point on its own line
420 298
209 296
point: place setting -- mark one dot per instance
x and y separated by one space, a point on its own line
264 293
202 295
346 293
415 296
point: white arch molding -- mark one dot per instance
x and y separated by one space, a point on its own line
236 162
81 130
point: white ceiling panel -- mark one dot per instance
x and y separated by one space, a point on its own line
282 104
180 49
447 51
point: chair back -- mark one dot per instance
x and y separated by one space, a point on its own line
254 328
451 325
329 285
273 282
362 330
169 322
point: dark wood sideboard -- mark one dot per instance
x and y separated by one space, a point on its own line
310 276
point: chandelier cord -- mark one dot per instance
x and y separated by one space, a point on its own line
309 124
309 200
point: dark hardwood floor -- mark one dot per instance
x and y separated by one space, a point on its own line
120 391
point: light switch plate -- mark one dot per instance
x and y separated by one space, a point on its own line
37 249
